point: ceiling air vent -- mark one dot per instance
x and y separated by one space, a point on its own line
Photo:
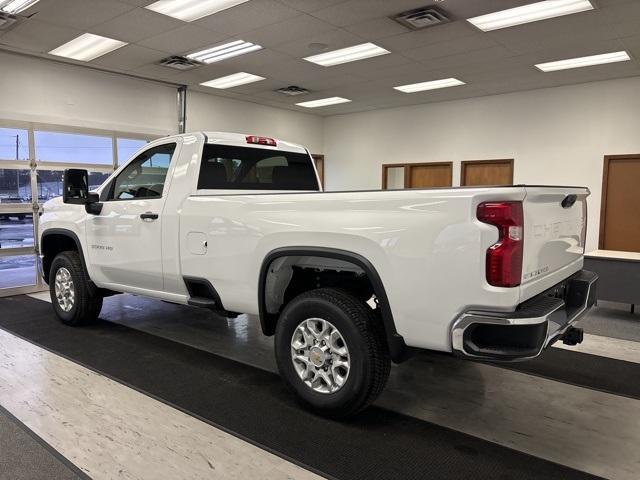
422 18
292 91
7 21
179 63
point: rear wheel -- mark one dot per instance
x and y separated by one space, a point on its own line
75 299
331 352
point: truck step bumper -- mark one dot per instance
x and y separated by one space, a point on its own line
533 326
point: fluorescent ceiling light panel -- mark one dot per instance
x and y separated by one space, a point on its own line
16 6
432 85
349 54
87 46
323 102
234 80
529 13
584 61
221 52
190 10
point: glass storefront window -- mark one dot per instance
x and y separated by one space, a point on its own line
14 144
50 183
127 147
15 186
16 230
17 271
73 148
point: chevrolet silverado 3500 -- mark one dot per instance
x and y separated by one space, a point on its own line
346 281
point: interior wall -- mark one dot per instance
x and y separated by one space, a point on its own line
36 90
213 113
557 136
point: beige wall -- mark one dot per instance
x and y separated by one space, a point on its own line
209 112
556 136
35 90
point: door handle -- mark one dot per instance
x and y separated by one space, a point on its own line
149 216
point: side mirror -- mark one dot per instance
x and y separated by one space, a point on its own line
75 190
75 186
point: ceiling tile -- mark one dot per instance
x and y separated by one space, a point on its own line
621 11
129 57
586 27
452 47
248 16
136 25
311 5
369 67
263 63
251 88
439 33
79 14
333 39
185 39
572 50
409 78
157 72
356 11
338 109
36 36
286 31
470 60
327 80
377 28
564 77
139 3
430 96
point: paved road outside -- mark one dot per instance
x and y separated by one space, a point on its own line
16 270
16 232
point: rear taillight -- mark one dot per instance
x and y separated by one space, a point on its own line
261 140
504 258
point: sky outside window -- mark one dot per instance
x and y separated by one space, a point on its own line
9 139
73 148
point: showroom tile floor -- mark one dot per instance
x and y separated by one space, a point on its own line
103 427
98 423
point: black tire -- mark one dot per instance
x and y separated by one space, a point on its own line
364 338
87 302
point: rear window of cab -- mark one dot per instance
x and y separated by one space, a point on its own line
225 167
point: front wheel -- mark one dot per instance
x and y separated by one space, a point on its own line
331 352
75 299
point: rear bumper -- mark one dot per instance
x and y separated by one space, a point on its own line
532 327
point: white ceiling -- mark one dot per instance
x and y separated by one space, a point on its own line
490 63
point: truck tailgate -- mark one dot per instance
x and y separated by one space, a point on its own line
554 236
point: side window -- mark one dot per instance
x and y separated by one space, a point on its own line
144 177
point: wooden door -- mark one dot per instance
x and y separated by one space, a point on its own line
417 175
319 159
620 210
487 172
427 175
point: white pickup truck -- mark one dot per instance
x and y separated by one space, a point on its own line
346 281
